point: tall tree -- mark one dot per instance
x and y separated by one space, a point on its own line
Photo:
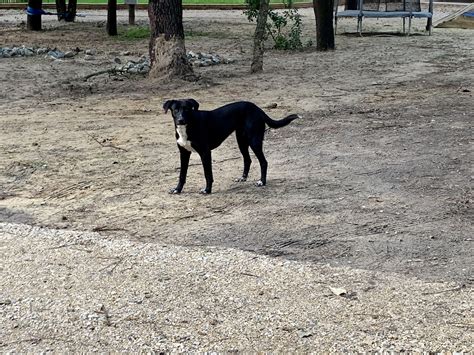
167 50
259 37
323 11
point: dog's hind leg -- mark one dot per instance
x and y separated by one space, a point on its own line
244 149
257 147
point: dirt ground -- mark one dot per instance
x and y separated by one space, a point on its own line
377 175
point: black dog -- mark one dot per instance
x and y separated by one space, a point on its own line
203 131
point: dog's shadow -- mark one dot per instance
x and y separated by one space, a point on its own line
273 186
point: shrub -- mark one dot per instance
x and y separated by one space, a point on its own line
284 28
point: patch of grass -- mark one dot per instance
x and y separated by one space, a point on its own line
193 33
134 33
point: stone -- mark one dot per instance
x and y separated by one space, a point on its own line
206 62
69 54
56 54
89 57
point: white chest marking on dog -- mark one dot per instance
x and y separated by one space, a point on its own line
183 138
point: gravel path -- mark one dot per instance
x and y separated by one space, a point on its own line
77 291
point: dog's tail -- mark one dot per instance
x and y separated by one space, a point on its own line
281 123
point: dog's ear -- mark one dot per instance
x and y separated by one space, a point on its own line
194 104
167 105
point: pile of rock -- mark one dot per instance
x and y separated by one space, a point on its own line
23 51
200 59
140 66
7 52
89 54
57 54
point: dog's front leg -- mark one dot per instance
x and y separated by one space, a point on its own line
207 165
184 157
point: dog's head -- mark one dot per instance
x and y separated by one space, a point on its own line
180 109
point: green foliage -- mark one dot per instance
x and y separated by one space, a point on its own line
133 33
283 27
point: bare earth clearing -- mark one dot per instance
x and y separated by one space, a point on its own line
371 191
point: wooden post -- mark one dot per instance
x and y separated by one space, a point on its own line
131 14
131 11
33 22
429 23
112 17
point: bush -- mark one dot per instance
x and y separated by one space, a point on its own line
284 28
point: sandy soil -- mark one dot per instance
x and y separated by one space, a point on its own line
377 175
81 291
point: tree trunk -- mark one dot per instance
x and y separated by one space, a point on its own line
33 22
323 11
259 37
61 9
167 50
112 17
71 11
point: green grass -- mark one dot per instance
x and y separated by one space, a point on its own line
134 33
141 32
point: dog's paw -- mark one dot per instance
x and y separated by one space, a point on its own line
259 183
241 179
205 191
174 191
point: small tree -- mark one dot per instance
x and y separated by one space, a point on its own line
284 28
323 11
259 37
167 50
